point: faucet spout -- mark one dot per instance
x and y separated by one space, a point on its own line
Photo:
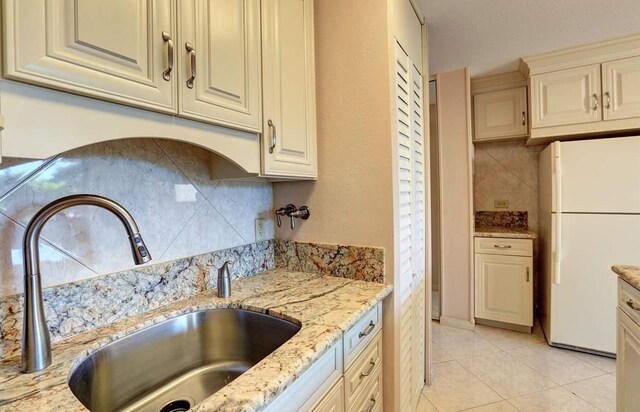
36 343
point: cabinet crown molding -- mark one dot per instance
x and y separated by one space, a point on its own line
600 52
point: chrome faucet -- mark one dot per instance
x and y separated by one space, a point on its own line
36 343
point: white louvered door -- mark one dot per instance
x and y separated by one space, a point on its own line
410 228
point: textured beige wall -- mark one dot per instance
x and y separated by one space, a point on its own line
507 171
454 133
352 200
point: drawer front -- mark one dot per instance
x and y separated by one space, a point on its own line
363 332
360 373
333 401
371 398
501 246
312 385
629 300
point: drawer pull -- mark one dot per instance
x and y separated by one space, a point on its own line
373 401
367 373
502 246
368 330
632 305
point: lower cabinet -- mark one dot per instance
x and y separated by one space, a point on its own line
504 280
628 348
346 378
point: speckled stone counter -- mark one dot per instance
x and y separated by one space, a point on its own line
503 232
324 306
631 274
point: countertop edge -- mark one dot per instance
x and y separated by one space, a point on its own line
631 274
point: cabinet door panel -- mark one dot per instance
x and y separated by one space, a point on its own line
565 97
621 85
225 38
500 114
628 364
289 125
504 289
109 49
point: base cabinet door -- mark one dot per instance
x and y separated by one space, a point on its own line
628 364
504 288
334 400
621 88
219 61
118 50
570 96
289 121
501 114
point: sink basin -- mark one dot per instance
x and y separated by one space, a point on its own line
177 363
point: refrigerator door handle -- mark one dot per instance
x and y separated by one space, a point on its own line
556 241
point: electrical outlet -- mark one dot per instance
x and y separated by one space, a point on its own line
260 230
501 204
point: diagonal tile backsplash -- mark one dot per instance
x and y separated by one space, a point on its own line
165 185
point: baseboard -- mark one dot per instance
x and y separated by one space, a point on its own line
457 323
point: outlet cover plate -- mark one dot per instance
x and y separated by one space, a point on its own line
501 204
260 230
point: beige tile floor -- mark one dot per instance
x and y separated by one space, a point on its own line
496 370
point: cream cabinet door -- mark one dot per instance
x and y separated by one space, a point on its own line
116 50
289 122
501 114
504 288
219 61
566 97
621 88
628 364
334 400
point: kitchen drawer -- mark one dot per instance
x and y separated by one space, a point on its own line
334 400
359 336
371 398
629 300
360 373
501 246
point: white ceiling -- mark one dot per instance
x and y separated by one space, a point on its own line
489 36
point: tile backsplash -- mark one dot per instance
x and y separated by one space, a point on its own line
165 185
507 171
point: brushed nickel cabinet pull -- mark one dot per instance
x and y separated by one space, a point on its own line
632 305
367 373
524 118
368 330
273 135
166 74
192 54
502 246
527 274
595 102
373 403
608 96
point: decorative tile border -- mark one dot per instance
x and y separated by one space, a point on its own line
351 262
77 307
509 220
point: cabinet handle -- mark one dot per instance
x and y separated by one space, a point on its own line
367 330
367 373
595 102
192 54
273 135
502 246
527 274
608 96
524 119
373 401
167 73
632 305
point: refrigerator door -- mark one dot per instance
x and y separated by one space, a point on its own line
598 176
583 307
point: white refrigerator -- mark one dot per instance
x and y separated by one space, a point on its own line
589 221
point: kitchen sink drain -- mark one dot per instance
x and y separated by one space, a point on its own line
180 405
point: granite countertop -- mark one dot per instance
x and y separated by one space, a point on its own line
326 307
631 274
504 232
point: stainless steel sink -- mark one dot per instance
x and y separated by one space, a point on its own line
175 364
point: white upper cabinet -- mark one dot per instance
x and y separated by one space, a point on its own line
219 61
118 50
566 97
289 102
621 88
500 115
